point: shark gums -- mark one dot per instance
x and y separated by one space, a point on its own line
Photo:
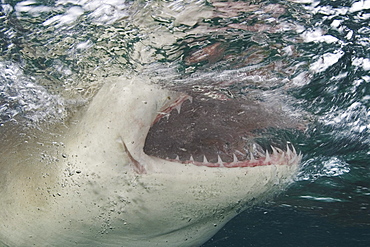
139 166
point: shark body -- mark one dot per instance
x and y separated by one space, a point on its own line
90 183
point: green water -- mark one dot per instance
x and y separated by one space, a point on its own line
312 56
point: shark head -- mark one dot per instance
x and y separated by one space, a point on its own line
144 166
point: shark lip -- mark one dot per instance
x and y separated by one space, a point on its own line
209 132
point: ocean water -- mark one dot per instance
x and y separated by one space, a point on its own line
312 57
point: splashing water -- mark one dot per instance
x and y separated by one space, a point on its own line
308 58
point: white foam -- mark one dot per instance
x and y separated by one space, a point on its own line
326 60
323 199
101 12
21 96
318 35
360 5
335 167
362 62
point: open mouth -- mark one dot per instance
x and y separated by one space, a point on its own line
210 132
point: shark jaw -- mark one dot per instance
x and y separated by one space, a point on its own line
110 189
206 140
204 131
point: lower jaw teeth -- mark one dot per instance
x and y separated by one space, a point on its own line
251 154
213 159
277 155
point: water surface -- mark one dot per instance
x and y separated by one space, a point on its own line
311 57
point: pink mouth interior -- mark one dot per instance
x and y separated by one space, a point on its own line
215 133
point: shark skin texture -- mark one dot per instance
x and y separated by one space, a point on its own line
88 182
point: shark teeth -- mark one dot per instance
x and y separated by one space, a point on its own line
167 109
219 160
191 158
205 159
276 157
267 157
235 159
178 108
288 151
253 155
175 105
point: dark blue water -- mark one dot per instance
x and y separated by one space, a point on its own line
312 56
329 204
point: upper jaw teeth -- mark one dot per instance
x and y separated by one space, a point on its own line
166 110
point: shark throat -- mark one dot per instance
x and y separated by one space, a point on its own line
205 131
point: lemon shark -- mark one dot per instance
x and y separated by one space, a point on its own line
102 179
